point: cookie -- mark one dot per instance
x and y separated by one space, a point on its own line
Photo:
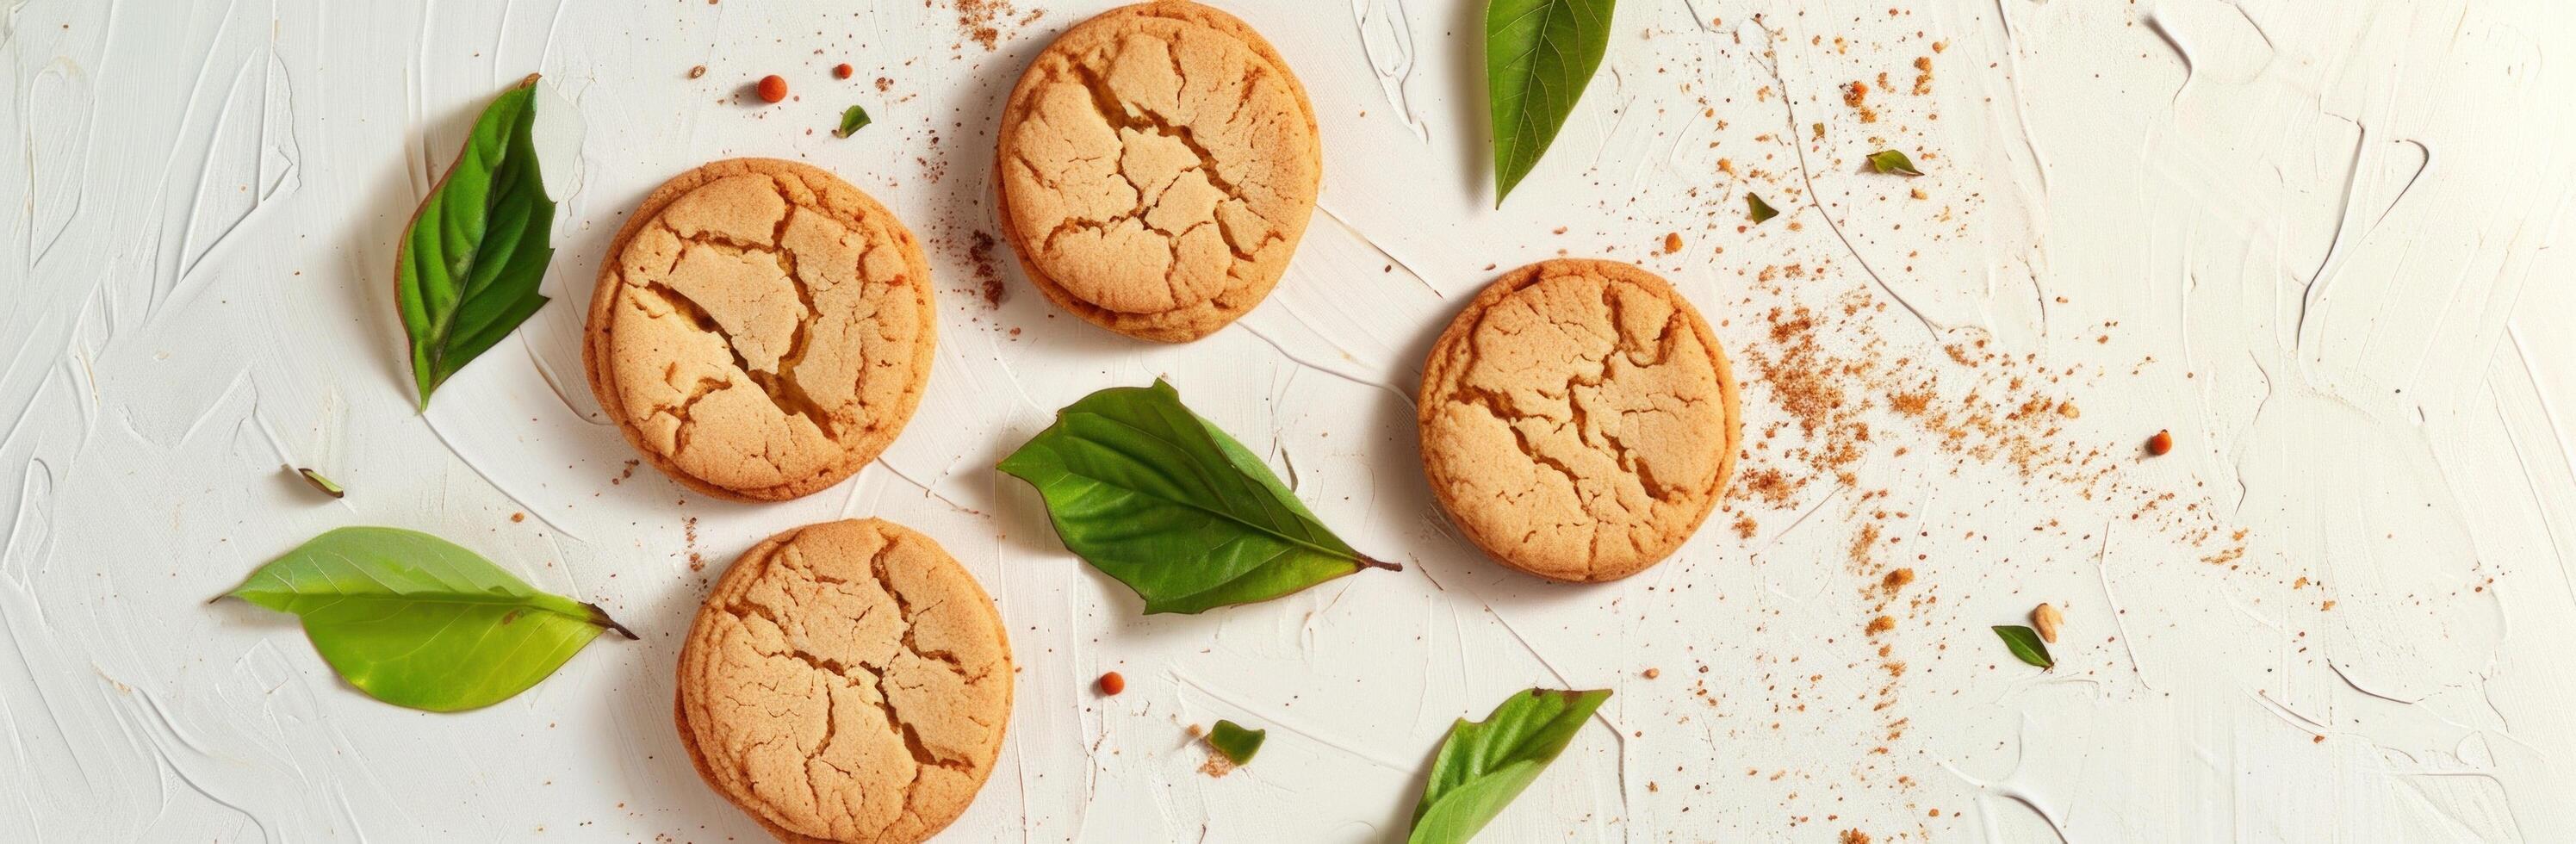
1158 164
846 681
761 329
1578 420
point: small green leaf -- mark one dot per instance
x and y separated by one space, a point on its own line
1484 764
1759 209
1892 161
413 620
2025 644
469 264
1539 56
851 121
1238 744
322 483
1151 494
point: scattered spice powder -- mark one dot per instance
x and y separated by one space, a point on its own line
689 535
979 252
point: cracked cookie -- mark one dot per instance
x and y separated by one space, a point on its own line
1158 164
846 681
761 329
1578 420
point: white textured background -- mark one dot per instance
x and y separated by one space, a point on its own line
2313 239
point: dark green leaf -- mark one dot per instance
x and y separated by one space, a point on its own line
322 483
1149 493
1759 209
1484 764
2025 644
413 620
469 265
1892 161
851 121
1238 744
1539 55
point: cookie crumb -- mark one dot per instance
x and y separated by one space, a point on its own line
518 517
1652 673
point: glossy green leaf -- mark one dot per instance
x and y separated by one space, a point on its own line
1237 743
1892 161
1484 764
413 620
1151 494
2025 644
1758 209
1539 55
851 121
469 264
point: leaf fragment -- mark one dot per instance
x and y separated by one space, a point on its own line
851 121
1160 499
414 620
468 268
1539 56
1893 161
1235 741
2025 644
321 483
1758 209
1483 765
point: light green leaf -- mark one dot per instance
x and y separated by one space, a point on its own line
1484 764
1539 55
1758 209
2025 644
1149 493
1893 161
851 121
469 264
413 620
1235 741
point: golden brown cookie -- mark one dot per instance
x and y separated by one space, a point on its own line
761 329
1158 163
846 681
1578 420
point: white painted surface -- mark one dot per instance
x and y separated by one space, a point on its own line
2312 239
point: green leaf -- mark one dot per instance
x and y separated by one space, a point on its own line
1238 744
1484 764
413 620
2025 644
323 484
469 264
1892 161
1151 494
1539 55
1759 209
851 121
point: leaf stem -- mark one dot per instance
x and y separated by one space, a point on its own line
600 617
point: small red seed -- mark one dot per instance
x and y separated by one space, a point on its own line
2160 443
841 71
773 88
1111 683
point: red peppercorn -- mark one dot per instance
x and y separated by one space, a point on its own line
1111 683
2160 443
841 71
773 88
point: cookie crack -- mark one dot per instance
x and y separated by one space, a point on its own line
783 391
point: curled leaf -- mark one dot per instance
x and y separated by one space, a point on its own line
1539 56
2025 644
1484 764
467 271
413 620
1237 743
1892 161
851 121
1151 494
1758 209
322 483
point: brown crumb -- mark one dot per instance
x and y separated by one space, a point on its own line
695 72
518 517
1672 242
979 252
1880 625
1652 673
1854 836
